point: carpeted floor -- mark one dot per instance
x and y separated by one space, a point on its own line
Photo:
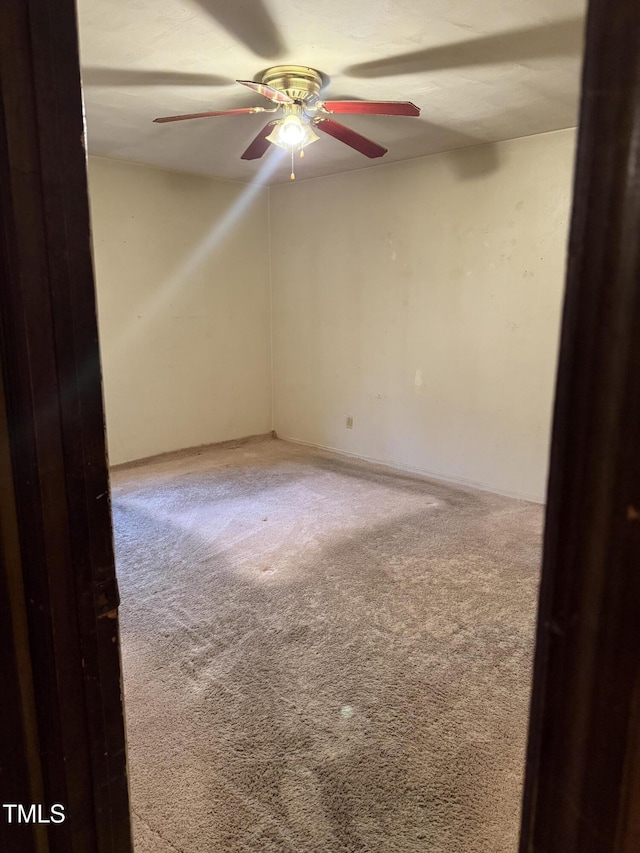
321 655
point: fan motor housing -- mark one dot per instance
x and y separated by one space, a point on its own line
298 81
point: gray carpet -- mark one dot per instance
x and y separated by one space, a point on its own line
322 656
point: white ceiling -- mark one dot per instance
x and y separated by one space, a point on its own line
479 71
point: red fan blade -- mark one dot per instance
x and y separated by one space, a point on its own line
207 115
350 137
381 108
259 144
267 91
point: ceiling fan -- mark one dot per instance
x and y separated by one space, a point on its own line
295 92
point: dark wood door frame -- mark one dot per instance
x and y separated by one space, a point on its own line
582 792
57 554
61 718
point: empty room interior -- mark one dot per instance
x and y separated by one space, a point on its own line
330 287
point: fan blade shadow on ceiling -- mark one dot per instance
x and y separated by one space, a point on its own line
139 77
448 142
560 38
250 23
486 155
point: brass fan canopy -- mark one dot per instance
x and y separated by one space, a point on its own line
298 81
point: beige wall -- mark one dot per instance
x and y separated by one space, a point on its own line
423 298
182 271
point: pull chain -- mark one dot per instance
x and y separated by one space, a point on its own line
293 174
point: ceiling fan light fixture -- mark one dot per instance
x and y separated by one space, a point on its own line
294 91
292 133
309 136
